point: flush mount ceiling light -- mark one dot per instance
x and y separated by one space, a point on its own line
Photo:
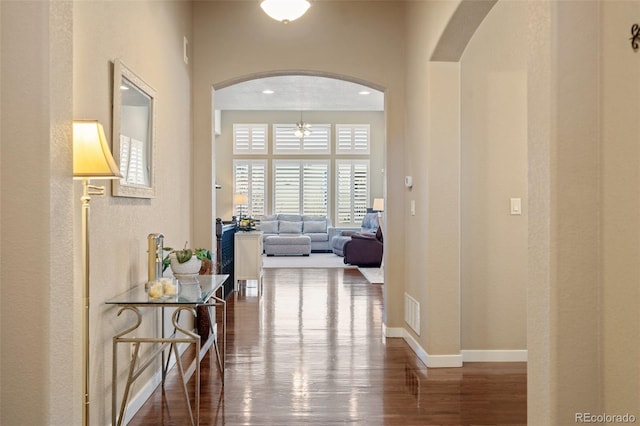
285 10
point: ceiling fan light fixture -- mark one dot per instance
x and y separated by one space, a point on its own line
302 129
285 10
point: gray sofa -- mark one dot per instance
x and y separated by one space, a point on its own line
318 228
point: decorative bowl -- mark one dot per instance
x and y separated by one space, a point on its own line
191 266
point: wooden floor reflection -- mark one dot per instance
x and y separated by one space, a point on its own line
310 351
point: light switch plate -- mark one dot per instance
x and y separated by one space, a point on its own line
516 206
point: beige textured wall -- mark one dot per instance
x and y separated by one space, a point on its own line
432 158
575 202
225 157
442 238
621 202
235 40
148 37
494 169
36 269
539 392
563 298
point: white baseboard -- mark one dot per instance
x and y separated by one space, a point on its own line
431 361
515 355
455 360
392 331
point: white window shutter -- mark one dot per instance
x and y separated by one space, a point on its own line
352 191
285 142
315 188
249 177
250 139
353 139
286 187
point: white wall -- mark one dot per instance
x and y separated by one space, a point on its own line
225 157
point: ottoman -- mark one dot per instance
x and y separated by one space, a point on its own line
287 245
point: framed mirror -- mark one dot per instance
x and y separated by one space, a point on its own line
134 138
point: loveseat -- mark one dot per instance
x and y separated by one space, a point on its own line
317 228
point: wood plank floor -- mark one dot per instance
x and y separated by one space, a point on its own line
310 351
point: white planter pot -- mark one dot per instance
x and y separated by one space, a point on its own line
192 266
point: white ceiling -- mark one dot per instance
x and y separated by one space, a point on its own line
299 93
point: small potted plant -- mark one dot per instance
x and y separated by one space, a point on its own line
185 261
247 224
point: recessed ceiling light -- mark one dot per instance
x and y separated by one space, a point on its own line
364 92
267 92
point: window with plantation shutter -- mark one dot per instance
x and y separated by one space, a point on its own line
315 188
301 187
352 191
250 139
285 142
286 187
352 139
250 177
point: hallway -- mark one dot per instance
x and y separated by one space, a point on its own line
310 351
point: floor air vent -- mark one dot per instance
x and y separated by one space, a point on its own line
412 313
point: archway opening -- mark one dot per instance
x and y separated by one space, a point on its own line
252 149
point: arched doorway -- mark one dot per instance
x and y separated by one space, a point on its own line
269 101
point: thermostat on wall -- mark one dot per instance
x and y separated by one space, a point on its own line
408 181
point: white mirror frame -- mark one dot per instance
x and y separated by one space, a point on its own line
145 186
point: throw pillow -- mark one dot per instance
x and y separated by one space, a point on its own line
269 227
370 222
314 226
290 217
290 227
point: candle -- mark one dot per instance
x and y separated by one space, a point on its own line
156 290
170 289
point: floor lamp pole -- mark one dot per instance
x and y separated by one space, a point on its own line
87 191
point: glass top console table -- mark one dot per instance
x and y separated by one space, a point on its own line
203 290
